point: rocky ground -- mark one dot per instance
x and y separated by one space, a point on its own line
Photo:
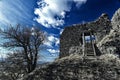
75 67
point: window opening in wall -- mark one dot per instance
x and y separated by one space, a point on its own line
88 38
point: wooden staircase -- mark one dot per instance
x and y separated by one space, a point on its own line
88 45
89 49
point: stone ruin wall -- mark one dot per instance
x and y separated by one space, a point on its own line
111 43
71 35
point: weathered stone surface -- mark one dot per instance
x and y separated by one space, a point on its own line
75 50
71 35
116 20
111 42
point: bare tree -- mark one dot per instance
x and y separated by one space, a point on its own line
26 39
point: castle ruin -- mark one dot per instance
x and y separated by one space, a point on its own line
82 38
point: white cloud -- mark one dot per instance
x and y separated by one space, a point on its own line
54 39
51 13
57 42
51 40
61 31
79 2
48 43
14 12
53 51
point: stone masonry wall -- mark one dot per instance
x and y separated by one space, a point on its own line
71 35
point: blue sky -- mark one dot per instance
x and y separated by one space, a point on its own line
53 15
